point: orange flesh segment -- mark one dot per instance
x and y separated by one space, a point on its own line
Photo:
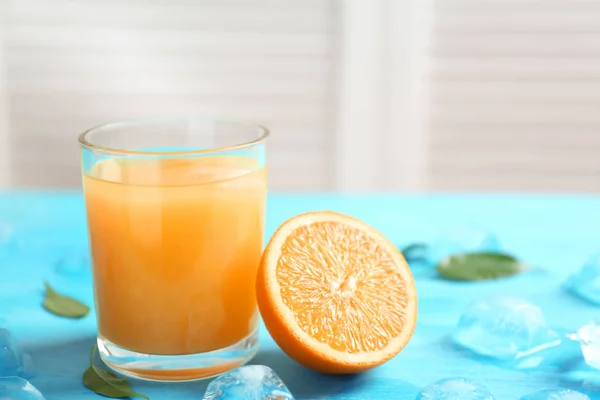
342 287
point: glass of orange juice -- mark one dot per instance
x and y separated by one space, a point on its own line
175 211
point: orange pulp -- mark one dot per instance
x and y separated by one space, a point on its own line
335 294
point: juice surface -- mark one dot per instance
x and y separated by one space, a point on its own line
175 245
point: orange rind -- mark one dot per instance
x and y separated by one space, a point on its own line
335 294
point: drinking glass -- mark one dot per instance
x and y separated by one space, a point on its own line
175 212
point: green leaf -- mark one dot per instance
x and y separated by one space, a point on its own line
63 306
106 383
479 266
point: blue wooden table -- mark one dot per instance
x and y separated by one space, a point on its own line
554 233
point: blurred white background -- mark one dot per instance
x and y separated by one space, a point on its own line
379 95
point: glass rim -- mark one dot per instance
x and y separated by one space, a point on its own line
84 142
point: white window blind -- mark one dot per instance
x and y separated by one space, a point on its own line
515 96
73 64
382 95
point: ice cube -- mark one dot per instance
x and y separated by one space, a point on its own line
556 394
455 389
13 361
504 328
251 382
74 265
462 239
585 282
589 340
416 254
15 388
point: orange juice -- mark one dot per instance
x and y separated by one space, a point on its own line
175 244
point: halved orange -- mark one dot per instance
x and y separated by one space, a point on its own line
335 294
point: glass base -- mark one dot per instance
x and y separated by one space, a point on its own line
180 368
